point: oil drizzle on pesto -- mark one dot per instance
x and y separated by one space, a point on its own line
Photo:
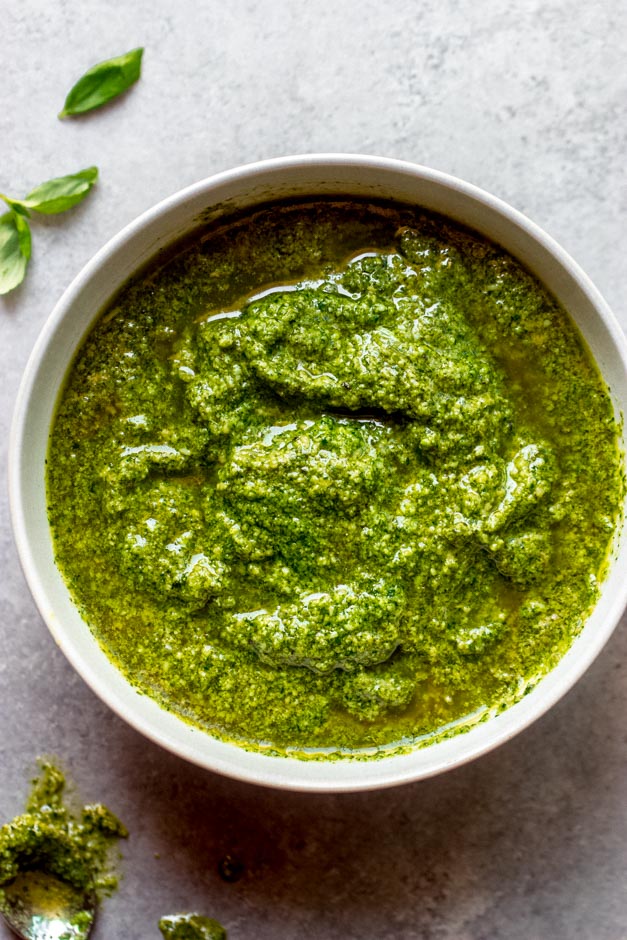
336 478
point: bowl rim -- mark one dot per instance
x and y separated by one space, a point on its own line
390 772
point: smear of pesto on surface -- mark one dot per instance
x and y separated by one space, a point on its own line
335 477
52 857
191 927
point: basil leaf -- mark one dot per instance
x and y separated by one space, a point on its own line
14 250
23 234
103 82
61 193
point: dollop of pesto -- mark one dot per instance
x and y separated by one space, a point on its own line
52 858
191 927
336 476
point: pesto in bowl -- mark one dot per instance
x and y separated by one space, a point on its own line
334 477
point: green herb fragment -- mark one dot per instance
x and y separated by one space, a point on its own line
62 193
103 82
191 927
15 250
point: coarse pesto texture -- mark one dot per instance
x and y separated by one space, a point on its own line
334 478
191 927
53 860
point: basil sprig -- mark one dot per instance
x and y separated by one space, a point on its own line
49 198
103 82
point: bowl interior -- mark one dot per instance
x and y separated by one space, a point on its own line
99 282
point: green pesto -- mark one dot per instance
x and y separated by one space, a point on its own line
51 856
334 478
191 927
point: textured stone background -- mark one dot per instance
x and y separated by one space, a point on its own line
527 99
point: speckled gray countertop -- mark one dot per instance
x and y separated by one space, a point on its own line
527 99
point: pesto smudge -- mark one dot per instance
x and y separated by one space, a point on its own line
334 478
191 927
52 859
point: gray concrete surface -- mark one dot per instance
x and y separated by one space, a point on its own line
527 99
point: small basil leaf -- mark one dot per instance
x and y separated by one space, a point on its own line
103 82
61 193
14 251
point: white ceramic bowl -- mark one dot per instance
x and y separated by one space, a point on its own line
73 317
